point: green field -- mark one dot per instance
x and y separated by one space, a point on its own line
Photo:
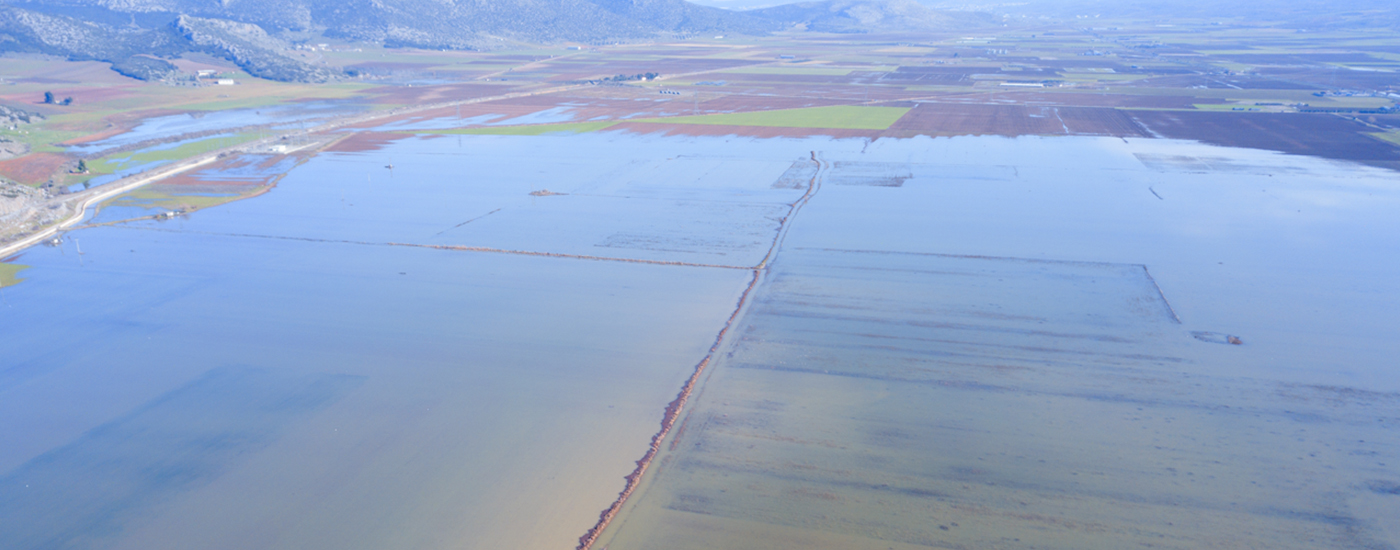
531 130
1392 137
7 274
147 197
122 161
845 117
41 140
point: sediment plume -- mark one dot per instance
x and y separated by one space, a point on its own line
673 410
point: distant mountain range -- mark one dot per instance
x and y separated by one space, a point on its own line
848 16
136 36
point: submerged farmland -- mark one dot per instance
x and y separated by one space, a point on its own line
948 294
941 344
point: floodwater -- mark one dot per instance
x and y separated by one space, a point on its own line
961 343
281 116
995 343
273 373
145 166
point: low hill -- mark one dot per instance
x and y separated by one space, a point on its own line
848 16
134 35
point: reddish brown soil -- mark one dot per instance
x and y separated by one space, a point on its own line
415 95
1294 59
950 119
582 69
1318 135
1223 82
216 177
365 141
694 51
109 132
81 96
1100 100
741 103
743 131
805 80
35 168
1335 78
181 185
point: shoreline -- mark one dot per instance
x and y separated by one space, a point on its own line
118 187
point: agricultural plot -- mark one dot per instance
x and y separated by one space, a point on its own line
840 117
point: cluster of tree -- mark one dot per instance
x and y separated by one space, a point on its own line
627 78
49 99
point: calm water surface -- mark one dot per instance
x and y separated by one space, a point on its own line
972 342
994 343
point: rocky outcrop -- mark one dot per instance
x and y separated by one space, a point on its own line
10 116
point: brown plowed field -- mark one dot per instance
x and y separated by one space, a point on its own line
1335 78
743 131
229 172
1223 82
405 95
951 119
33 169
1298 58
1318 135
582 70
1102 100
798 79
365 141
742 103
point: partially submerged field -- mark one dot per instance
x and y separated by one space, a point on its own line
1052 343
913 291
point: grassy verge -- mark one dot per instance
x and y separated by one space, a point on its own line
8 272
851 117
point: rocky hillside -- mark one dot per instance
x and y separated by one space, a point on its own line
848 16
136 50
250 47
135 35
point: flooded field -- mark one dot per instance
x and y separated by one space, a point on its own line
297 115
1049 351
274 373
427 341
